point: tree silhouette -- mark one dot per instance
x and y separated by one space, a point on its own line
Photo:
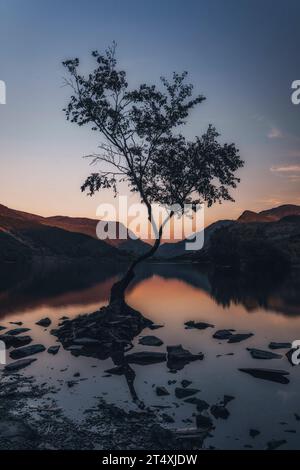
143 143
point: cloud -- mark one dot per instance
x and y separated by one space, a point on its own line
275 133
285 169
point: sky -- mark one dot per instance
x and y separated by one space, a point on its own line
241 54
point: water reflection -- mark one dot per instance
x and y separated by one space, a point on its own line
79 285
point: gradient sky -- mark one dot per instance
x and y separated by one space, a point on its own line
241 54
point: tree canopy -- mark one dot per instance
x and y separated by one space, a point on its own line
143 141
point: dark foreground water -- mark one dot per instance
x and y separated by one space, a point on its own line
172 294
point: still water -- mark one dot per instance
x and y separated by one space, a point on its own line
172 294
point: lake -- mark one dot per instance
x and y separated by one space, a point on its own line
171 294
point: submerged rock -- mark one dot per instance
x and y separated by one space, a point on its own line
53 349
161 391
186 383
260 354
150 341
238 337
17 331
44 322
198 325
17 365
15 341
219 411
87 342
253 433
272 445
200 404
179 357
167 418
185 392
27 351
145 357
204 421
223 334
155 326
272 375
227 399
274 345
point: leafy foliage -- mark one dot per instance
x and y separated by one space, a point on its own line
143 143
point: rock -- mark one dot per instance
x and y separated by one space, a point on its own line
20 341
118 370
219 411
75 349
27 351
53 349
64 318
185 383
272 375
198 325
87 342
15 429
272 445
19 323
2 327
161 391
223 334
15 341
150 341
17 331
185 392
155 326
260 354
167 418
274 345
44 322
71 383
165 438
104 333
179 357
17 365
227 399
200 404
145 357
237 338
254 432
204 422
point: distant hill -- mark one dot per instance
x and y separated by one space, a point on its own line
18 222
174 250
270 215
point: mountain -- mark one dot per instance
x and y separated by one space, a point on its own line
258 247
269 215
173 250
23 225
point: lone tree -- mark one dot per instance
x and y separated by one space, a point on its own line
144 146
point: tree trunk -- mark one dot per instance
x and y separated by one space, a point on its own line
117 293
